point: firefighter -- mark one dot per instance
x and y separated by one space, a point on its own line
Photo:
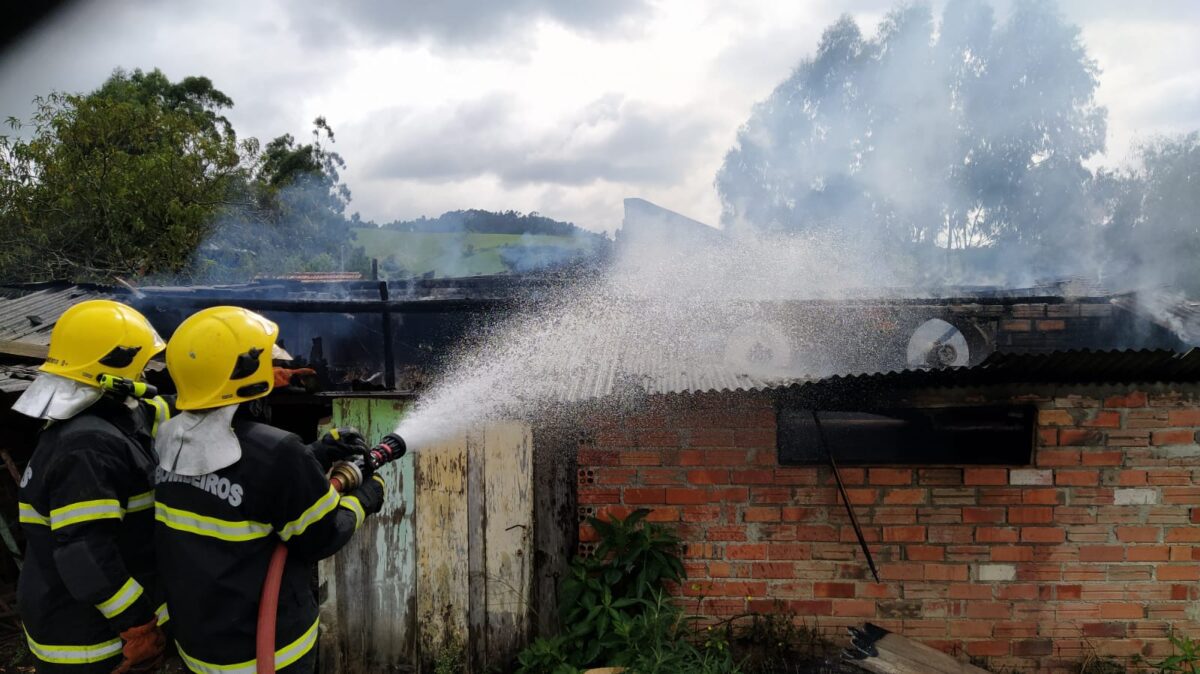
230 488
86 592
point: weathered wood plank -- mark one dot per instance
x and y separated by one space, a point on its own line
508 529
368 588
555 512
24 349
878 650
442 549
477 544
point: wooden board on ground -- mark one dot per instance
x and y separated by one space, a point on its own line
24 349
878 650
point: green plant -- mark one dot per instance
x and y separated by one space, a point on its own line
615 609
1186 657
451 657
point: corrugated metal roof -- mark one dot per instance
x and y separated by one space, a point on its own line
29 317
1061 367
16 378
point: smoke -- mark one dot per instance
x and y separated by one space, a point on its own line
662 317
960 140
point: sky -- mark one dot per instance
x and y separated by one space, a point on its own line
564 107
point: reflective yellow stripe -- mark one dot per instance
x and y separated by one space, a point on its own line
121 599
29 515
283 657
316 511
352 504
86 511
162 412
140 502
163 614
202 525
74 655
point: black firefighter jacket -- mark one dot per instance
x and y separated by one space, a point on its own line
87 511
214 539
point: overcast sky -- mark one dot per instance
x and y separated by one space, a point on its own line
559 106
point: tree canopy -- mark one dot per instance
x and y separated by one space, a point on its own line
147 177
957 134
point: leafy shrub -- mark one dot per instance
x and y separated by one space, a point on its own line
616 610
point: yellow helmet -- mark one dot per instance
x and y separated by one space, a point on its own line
99 337
221 356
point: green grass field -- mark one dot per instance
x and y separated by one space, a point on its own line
470 254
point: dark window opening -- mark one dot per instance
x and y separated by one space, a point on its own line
950 435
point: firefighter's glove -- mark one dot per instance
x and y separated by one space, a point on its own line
143 649
370 495
339 444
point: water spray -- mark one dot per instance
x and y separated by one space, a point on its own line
344 476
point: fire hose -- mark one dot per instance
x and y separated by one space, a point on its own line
344 476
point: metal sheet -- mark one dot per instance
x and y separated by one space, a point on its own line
368 609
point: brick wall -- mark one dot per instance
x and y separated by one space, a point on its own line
1093 549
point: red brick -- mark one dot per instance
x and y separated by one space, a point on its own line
1122 611
712 457
1036 496
1051 325
1047 437
1101 553
904 496
761 514
1030 515
889 476
833 590
941 572
902 571
822 532
789 551
1182 535
746 551
1043 535
1058 457
641 458
904 534
1068 592
797 514
860 608
924 553
1138 534
1147 553
710 437
1033 647
1135 399
701 513
732 532
657 439
599 457
1173 437
618 476
728 495
598 496
1055 418
686 496
651 476
754 437
774 570
990 476
1109 630
1017 591
770 495
1105 458
800 476
758 476
1177 572
996 535
861 496
708 476
1188 416
989 610
1077 478
1078 436
1104 419
1131 478
642 496
965 591
1016 325
982 515
663 515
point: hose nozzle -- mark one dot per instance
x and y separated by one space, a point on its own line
348 475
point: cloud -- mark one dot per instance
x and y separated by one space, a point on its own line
612 139
461 24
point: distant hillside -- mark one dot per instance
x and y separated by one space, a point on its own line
475 243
